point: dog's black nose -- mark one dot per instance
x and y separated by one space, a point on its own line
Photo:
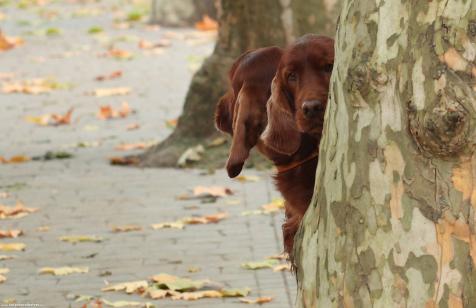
312 108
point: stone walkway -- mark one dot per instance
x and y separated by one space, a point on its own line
84 195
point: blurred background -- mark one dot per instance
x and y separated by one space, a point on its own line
92 93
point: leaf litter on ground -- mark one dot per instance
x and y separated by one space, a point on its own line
51 119
17 159
259 300
275 206
3 272
118 91
110 76
63 271
74 239
106 112
126 228
269 263
10 233
206 192
33 86
12 246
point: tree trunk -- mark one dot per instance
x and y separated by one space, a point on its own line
393 218
244 25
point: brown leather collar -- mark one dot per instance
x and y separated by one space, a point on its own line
290 166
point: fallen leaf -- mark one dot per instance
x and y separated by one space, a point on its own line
275 206
131 146
247 178
12 247
51 155
194 269
191 296
118 54
121 304
133 126
235 292
3 271
113 75
33 86
51 119
103 92
124 161
43 229
168 225
192 154
74 239
155 293
259 300
7 43
217 142
206 24
270 263
282 268
126 228
205 219
95 30
128 287
171 123
174 283
17 211
17 159
63 271
107 112
283 256
144 44
214 191
5 257
10 233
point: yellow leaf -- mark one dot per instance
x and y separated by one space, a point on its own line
247 178
80 239
282 268
191 296
3 271
205 219
111 91
166 225
259 300
128 287
62 271
12 247
126 228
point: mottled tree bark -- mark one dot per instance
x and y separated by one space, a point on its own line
244 25
393 219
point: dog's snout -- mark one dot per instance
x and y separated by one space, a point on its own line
312 108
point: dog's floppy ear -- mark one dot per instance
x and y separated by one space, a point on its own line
223 114
241 143
281 133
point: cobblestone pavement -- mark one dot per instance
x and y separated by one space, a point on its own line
85 195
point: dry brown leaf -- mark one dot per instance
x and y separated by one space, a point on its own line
128 287
3 271
113 75
283 256
17 159
259 300
155 293
214 191
62 271
7 43
10 233
103 92
17 211
133 126
12 247
53 119
118 54
205 219
123 161
206 24
107 112
131 146
126 228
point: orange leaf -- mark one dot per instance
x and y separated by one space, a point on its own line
17 211
65 119
206 24
17 159
259 300
10 233
113 75
124 161
106 112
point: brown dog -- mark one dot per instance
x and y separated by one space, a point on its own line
293 116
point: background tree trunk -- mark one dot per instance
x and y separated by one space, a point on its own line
244 25
393 219
182 13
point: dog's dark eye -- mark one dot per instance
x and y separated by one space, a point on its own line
328 68
292 77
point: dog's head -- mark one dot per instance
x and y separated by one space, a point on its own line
299 95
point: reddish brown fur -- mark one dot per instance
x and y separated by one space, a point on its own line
289 137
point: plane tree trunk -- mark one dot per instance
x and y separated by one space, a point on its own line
393 218
243 25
